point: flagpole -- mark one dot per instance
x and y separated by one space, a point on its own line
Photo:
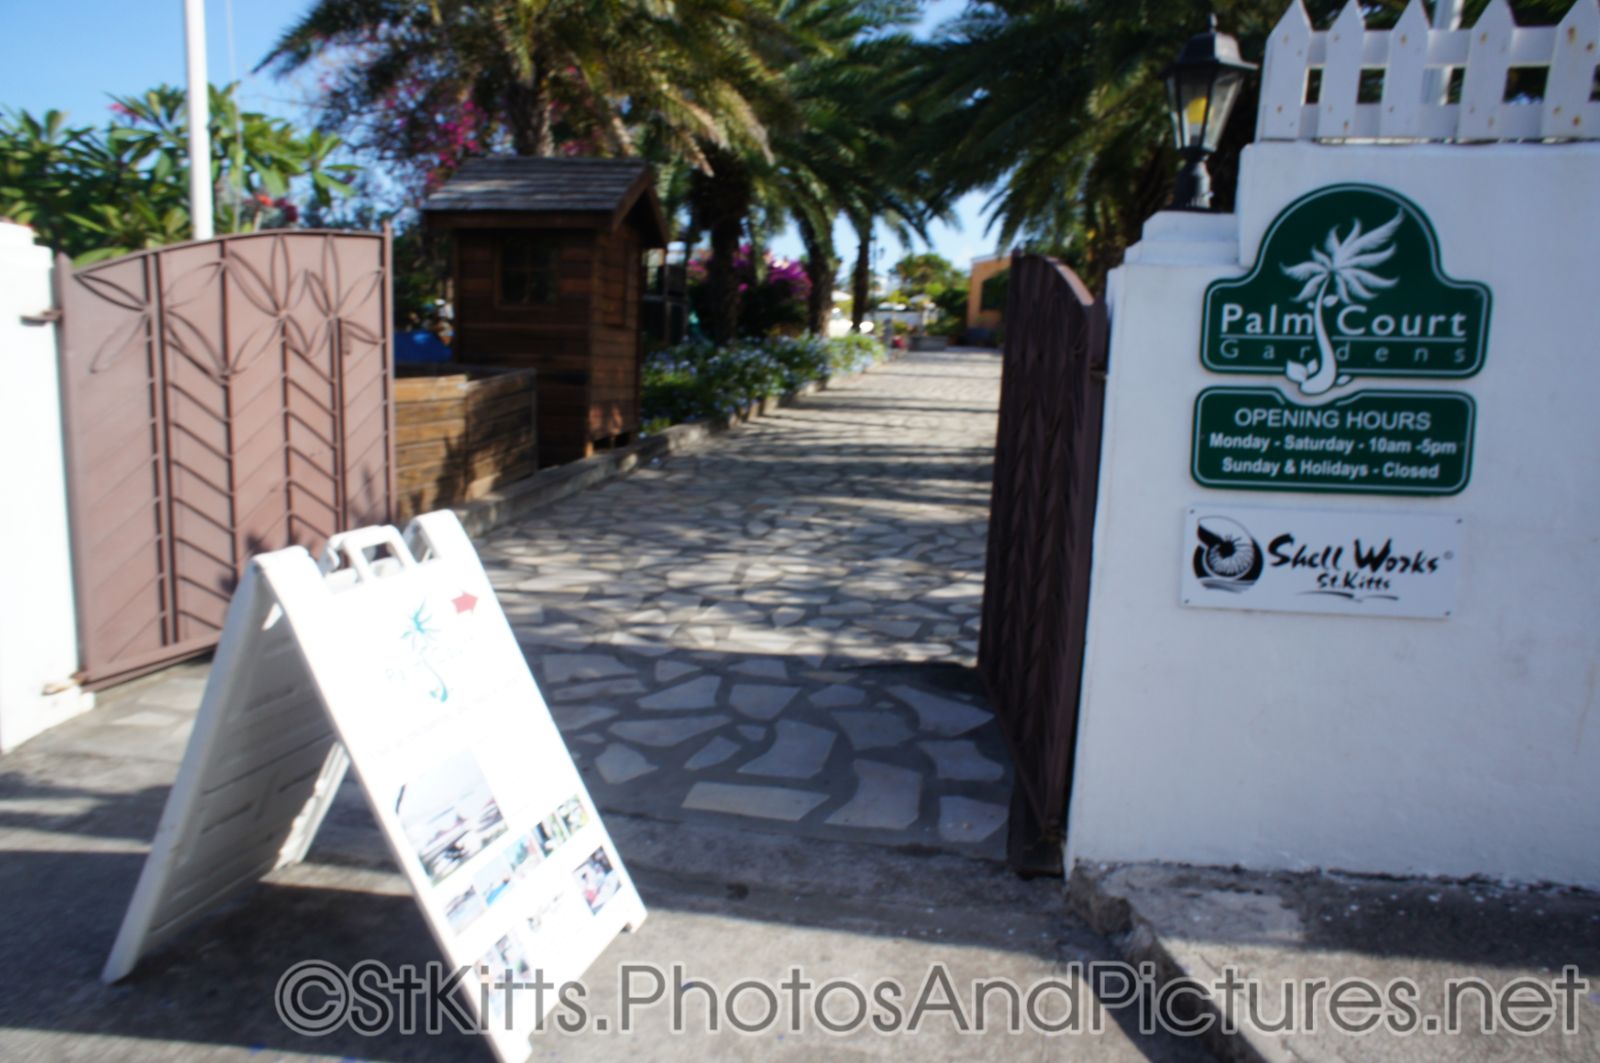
201 209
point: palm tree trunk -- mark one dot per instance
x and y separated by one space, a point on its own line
721 200
861 279
544 126
519 111
722 282
532 122
821 264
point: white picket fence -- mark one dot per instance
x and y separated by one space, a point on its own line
1416 61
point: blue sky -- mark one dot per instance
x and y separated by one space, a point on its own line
74 54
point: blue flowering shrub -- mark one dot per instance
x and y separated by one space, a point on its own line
695 380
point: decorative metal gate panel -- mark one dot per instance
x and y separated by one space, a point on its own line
1041 525
220 398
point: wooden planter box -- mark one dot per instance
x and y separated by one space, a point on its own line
461 432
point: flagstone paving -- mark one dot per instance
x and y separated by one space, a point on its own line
780 630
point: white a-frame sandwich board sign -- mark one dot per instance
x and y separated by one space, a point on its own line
393 655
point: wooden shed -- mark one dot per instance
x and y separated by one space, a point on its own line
549 258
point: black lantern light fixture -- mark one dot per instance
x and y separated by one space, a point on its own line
1202 87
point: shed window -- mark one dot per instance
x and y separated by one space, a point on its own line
527 271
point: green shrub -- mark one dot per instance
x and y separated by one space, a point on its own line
854 353
695 380
952 303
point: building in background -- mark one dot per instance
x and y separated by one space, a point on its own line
986 297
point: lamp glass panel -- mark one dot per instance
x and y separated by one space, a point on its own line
1223 97
1193 104
1174 106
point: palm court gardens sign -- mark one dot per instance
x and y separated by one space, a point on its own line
1348 284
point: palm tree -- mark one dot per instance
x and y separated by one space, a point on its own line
896 183
694 81
833 121
720 198
1059 110
524 72
829 131
841 158
1345 265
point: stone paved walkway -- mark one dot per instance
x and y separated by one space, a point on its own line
780 630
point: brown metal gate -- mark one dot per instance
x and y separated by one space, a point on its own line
220 398
1041 524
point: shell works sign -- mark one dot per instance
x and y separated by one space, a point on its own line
1348 284
1321 561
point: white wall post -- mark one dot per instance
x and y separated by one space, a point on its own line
1468 745
38 632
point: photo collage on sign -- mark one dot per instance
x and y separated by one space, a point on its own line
598 880
449 816
454 822
502 965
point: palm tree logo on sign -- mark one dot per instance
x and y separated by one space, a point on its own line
1345 264
1348 283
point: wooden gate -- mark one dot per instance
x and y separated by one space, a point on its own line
1041 525
219 398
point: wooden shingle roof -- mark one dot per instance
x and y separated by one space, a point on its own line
605 190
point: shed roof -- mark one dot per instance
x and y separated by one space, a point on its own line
607 191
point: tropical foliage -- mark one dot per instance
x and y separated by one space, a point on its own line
700 380
935 279
421 83
757 114
95 193
846 154
927 274
1063 114
774 293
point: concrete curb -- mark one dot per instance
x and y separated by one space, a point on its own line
1093 898
548 486
1294 934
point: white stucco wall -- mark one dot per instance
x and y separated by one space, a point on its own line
1272 740
38 639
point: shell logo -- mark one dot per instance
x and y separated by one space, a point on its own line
1228 558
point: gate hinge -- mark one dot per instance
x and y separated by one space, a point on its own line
45 317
